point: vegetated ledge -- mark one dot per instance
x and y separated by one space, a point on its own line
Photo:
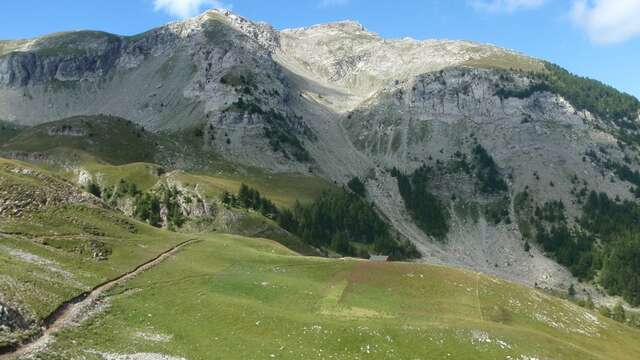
583 93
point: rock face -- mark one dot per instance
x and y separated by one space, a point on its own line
24 189
11 320
339 101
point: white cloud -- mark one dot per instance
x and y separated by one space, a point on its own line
186 8
505 5
332 3
608 21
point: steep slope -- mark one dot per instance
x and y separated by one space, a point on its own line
438 118
56 242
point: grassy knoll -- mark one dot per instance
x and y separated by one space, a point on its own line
282 189
113 149
111 139
144 175
507 61
236 298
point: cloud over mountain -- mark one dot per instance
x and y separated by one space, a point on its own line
608 21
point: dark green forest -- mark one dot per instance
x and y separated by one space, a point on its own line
426 209
338 219
489 178
592 95
605 242
583 93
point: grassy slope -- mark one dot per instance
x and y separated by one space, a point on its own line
508 61
144 175
283 189
250 298
7 131
59 44
235 298
46 256
111 139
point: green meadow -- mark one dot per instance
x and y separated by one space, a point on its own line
230 297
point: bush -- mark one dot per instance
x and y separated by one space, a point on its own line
94 189
357 186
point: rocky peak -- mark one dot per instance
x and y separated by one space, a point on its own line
345 27
347 55
261 32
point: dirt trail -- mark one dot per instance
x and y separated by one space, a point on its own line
65 314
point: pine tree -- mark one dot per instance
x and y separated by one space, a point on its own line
589 302
94 189
244 196
226 198
357 186
618 313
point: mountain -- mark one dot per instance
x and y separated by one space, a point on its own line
471 155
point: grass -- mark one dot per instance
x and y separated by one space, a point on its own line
110 139
508 61
144 175
72 43
236 298
283 189
52 253
7 131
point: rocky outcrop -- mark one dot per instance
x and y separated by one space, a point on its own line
21 69
11 320
24 190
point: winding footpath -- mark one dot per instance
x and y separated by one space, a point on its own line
74 309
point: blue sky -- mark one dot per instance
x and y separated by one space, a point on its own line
595 38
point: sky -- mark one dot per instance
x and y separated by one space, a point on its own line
595 38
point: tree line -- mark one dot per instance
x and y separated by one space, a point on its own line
338 220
